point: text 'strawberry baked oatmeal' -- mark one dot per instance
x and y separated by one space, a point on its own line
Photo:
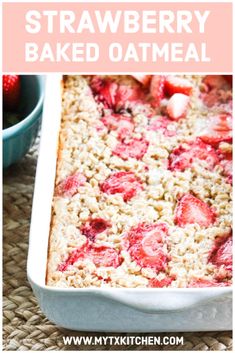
144 182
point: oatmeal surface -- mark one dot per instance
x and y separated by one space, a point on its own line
143 183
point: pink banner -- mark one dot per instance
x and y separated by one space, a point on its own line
117 37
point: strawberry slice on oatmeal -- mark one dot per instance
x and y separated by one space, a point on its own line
133 148
125 183
157 87
148 245
161 283
162 124
93 227
69 186
216 90
187 154
221 254
215 129
175 84
177 106
104 256
100 255
144 79
115 96
191 210
117 122
205 283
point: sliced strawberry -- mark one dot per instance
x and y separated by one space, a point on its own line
125 183
175 84
221 254
113 95
69 186
120 123
146 245
177 106
11 91
229 79
218 90
157 89
216 81
160 123
185 155
97 83
74 256
165 282
216 97
94 226
134 148
104 256
101 256
204 283
211 98
107 95
127 95
144 79
105 91
216 129
190 210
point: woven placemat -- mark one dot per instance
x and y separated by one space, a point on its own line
24 325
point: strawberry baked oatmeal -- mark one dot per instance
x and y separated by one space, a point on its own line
144 181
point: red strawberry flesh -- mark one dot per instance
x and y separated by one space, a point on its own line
157 86
184 156
115 96
204 283
144 79
146 245
104 256
126 95
176 84
177 106
221 254
217 129
11 92
216 81
101 256
69 186
134 148
191 210
120 123
94 226
160 123
160 283
125 183
218 90
74 256
229 79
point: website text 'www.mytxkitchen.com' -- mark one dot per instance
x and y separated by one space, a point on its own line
123 340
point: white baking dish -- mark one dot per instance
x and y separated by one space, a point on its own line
114 310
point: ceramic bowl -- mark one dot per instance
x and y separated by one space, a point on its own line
18 138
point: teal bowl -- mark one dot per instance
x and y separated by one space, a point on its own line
18 138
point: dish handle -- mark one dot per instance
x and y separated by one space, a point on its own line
160 300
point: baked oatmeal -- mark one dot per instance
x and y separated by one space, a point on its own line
144 182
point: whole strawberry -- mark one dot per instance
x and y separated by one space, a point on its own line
11 92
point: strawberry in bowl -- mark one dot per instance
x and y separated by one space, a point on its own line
11 91
22 108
